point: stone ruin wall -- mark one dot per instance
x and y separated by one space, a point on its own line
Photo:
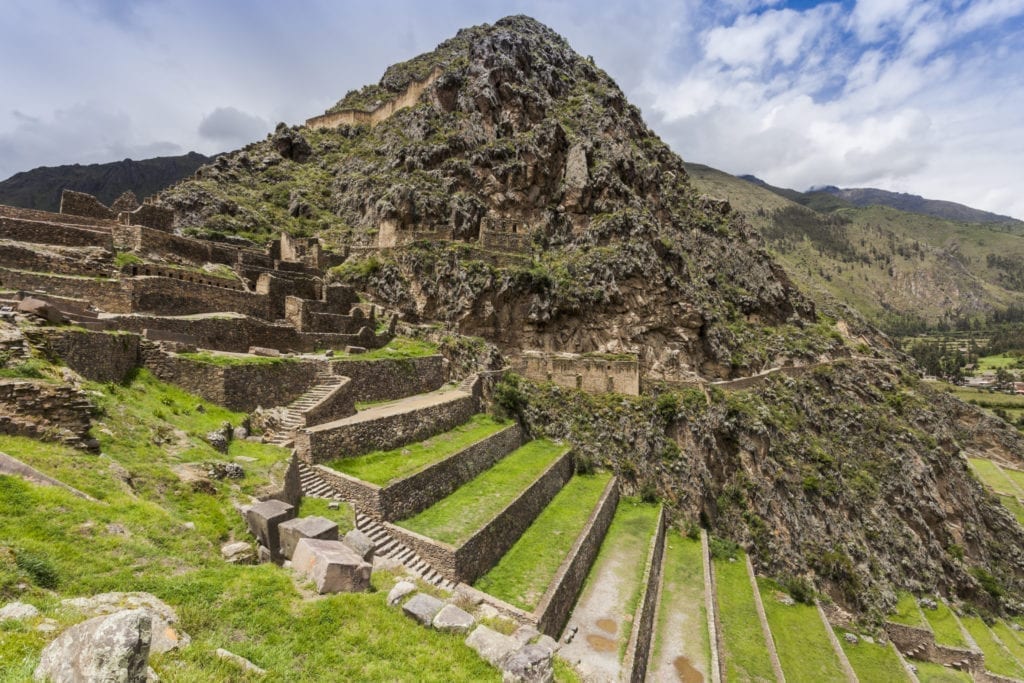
391 379
591 374
355 117
38 231
149 215
45 411
98 356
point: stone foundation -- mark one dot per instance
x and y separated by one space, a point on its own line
387 380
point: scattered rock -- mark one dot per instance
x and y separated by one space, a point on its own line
241 434
400 590
18 610
47 626
264 351
218 441
453 620
334 505
189 526
851 638
361 544
332 565
40 309
928 603
486 611
240 661
263 554
107 648
296 529
238 552
355 350
423 608
548 642
491 645
531 663
524 634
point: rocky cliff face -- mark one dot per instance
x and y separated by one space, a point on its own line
529 204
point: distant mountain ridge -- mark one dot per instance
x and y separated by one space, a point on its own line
41 187
830 197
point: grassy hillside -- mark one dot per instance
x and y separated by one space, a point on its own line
896 268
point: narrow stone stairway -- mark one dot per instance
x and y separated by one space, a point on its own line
384 544
292 418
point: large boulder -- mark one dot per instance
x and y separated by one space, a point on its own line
106 649
423 608
332 565
18 611
529 664
166 635
294 530
40 309
264 520
453 619
491 645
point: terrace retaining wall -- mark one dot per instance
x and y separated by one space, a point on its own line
556 604
639 649
99 356
415 493
388 379
486 547
42 231
339 439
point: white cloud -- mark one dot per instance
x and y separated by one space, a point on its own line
231 127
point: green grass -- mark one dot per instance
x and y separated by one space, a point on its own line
944 624
525 572
455 518
930 672
399 347
344 516
384 467
997 659
907 612
1016 476
798 631
746 652
225 361
1002 360
1014 506
135 538
683 591
993 476
873 662
1010 639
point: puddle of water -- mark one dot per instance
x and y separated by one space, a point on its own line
601 644
686 672
607 625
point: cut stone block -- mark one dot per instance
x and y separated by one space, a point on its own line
401 589
332 565
491 645
529 664
264 351
423 608
524 634
453 620
361 544
263 520
305 527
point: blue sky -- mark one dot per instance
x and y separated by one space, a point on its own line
908 95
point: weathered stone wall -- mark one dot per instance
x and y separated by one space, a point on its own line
304 316
907 638
82 204
155 270
417 492
389 379
50 217
45 411
351 117
639 648
556 605
105 294
88 261
334 406
173 296
347 438
150 242
593 374
486 547
151 216
99 356
237 387
46 232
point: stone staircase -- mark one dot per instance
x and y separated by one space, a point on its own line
292 413
384 544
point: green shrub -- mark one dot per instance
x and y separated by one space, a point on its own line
510 395
723 548
989 582
799 588
39 567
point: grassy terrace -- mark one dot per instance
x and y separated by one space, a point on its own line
993 476
135 538
930 672
384 467
228 360
945 626
907 612
682 628
455 518
797 631
1010 639
746 652
1016 476
873 662
526 570
1014 506
998 659
399 347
